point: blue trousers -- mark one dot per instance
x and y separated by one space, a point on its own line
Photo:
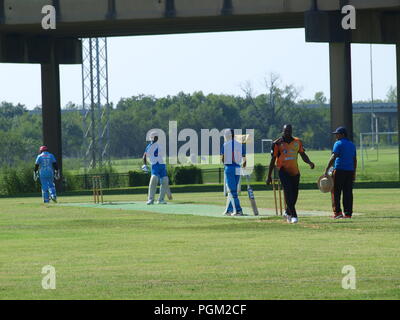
48 188
232 181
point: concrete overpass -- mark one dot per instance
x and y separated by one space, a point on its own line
378 107
22 39
91 18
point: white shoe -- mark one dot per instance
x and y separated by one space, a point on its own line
287 217
162 202
227 213
294 220
150 202
238 214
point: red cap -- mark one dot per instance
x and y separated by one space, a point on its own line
42 149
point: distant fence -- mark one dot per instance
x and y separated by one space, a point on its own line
108 181
124 180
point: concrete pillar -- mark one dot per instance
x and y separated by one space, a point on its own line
341 93
51 109
398 98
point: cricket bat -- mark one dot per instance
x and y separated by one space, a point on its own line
169 194
225 189
251 197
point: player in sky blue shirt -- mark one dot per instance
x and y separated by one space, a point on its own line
233 155
46 169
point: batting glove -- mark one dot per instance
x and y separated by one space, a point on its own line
57 174
35 175
145 169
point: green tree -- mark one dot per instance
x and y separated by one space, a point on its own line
391 95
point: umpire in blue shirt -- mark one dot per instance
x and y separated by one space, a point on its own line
344 162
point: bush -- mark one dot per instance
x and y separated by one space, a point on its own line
140 178
259 172
72 182
170 174
101 170
137 179
187 175
16 181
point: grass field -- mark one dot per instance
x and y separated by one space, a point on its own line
115 254
382 166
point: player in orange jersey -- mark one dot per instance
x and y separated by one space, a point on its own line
284 153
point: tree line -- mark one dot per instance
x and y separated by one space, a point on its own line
131 118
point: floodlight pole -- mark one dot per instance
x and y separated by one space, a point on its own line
362 151
372 93
96 107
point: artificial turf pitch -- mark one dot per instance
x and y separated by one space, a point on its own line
207 210
112 253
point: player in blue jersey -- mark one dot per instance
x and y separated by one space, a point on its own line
153 153
46 170
344 162
233 157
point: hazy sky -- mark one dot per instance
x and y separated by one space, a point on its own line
210 62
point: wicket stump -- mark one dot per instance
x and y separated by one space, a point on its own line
97 189
277 187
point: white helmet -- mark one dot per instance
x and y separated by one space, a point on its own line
228 134
152 135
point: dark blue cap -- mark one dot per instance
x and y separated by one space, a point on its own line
340 130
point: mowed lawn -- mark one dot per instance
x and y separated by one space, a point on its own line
115 254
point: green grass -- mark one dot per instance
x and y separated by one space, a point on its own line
382 167
114 254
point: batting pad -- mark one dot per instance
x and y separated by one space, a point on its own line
152 187
163 187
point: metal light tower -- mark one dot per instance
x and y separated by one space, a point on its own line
96 107
372 96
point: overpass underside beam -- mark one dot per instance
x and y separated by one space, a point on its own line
380 27
39 49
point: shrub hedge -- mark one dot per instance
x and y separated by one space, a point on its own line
187 175
18 180
259 172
